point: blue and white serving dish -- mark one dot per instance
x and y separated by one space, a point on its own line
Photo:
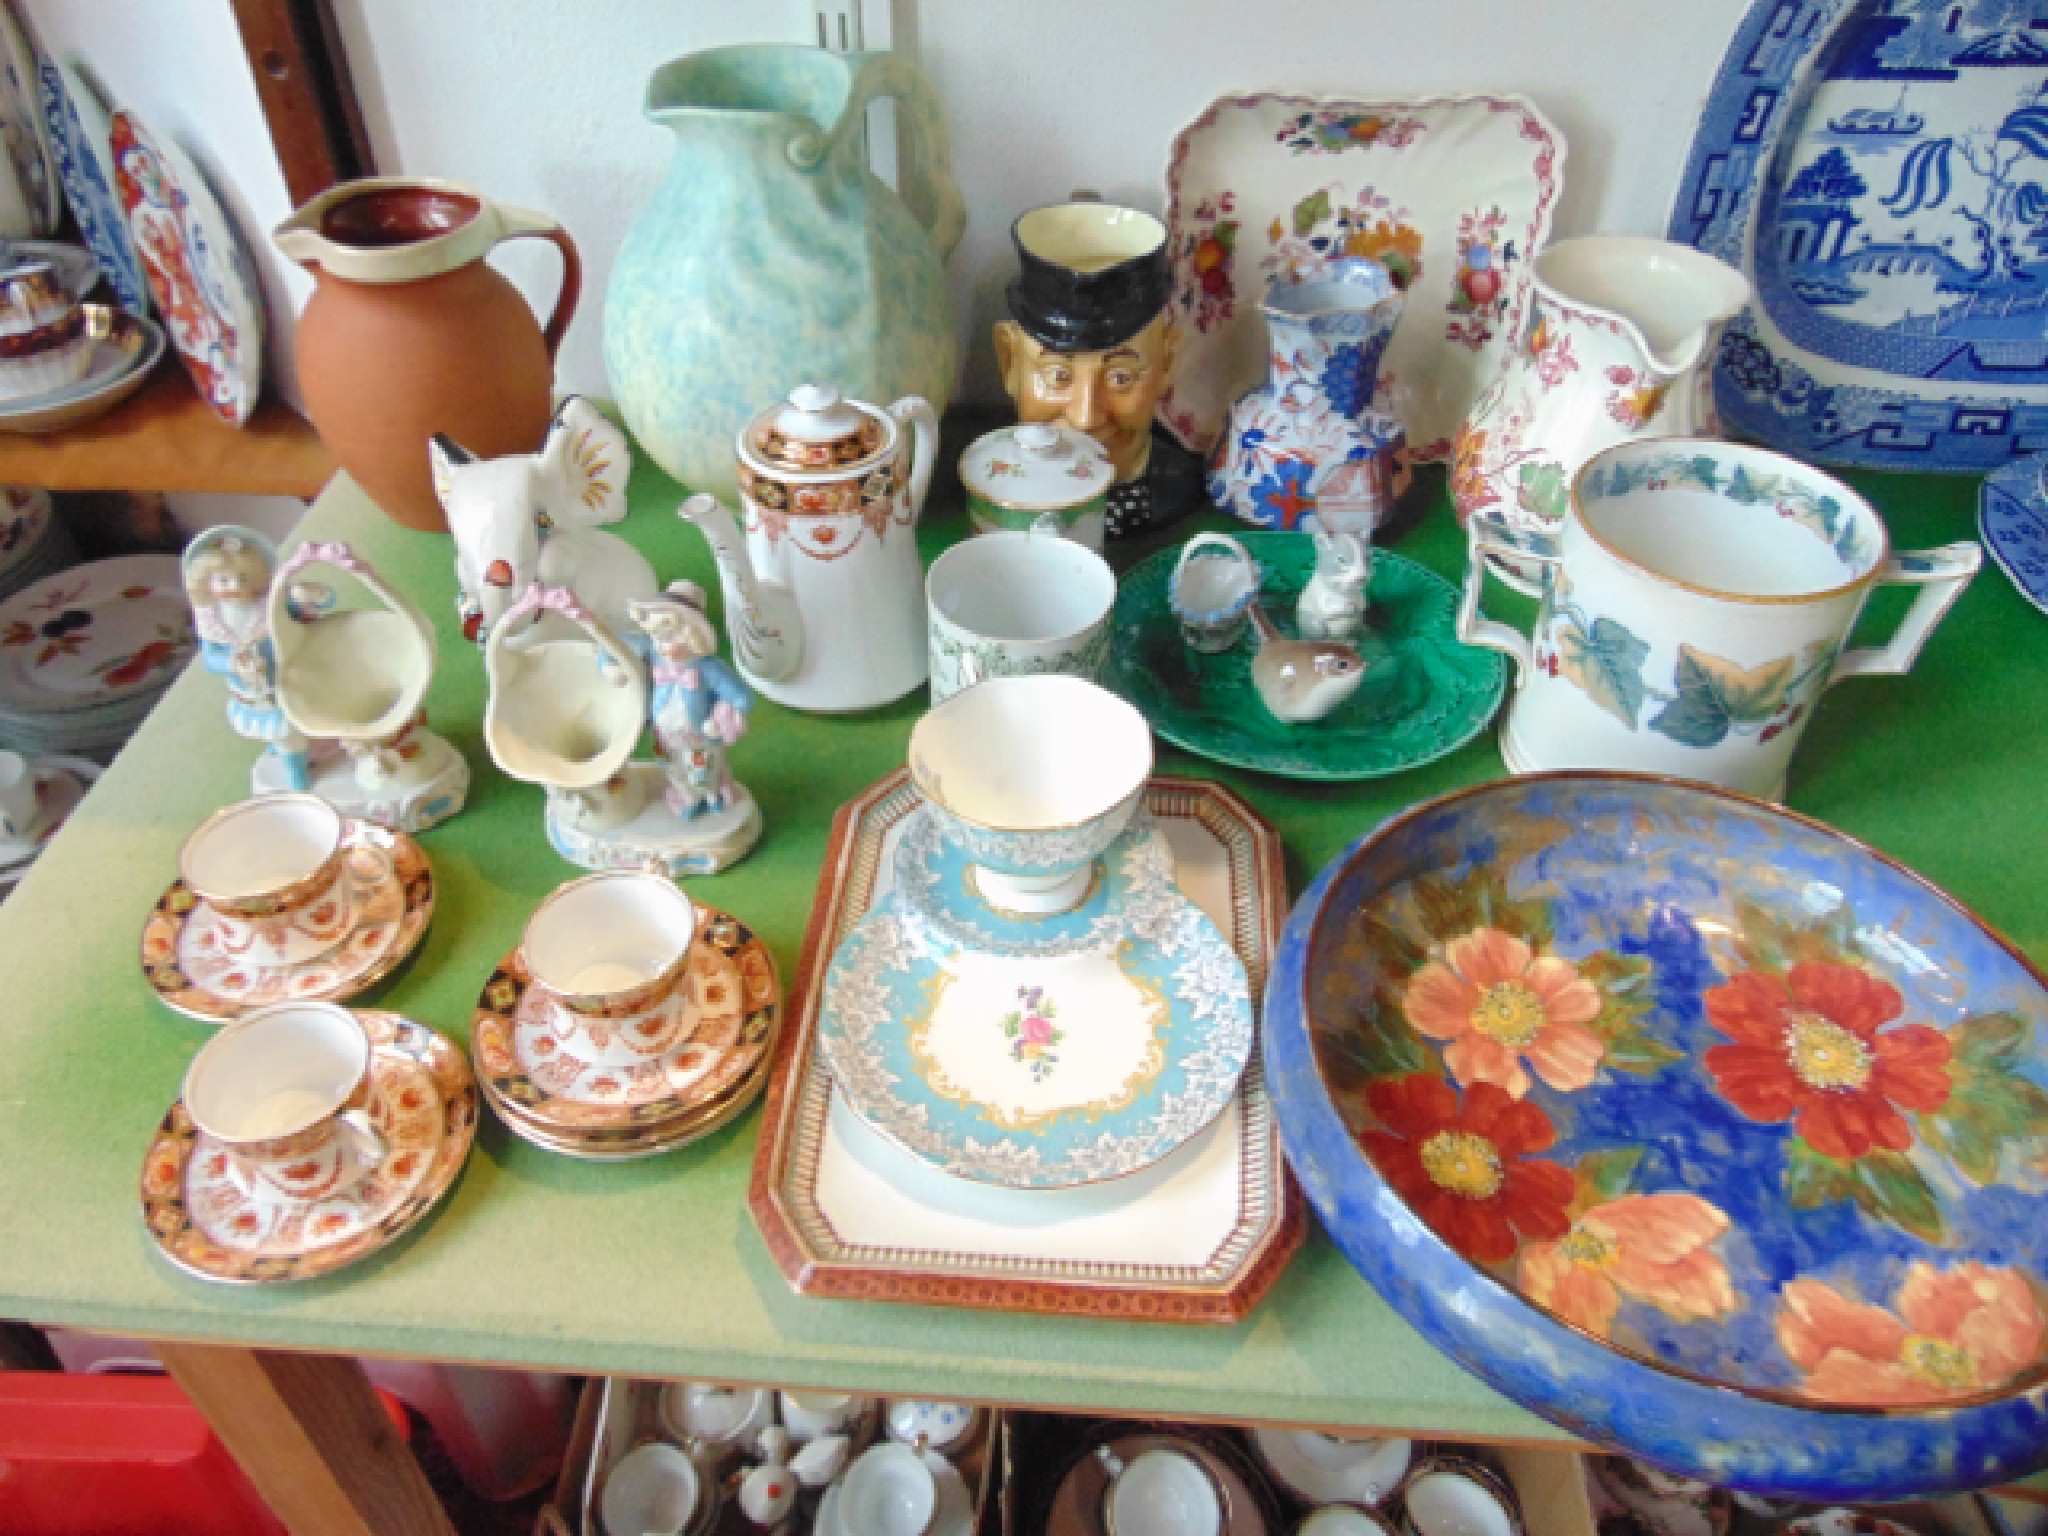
1691 1124
1879 171
80 135
2012 518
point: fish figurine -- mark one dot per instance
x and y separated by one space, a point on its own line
1301 680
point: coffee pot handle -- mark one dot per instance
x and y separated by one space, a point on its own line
915 412
522 223
929 190
1940 574
1490 536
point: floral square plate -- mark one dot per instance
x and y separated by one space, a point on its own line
1879 171
1687 1122
1453 195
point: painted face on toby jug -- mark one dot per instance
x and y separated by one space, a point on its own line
1087 341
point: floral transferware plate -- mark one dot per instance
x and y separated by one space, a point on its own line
194 974
1879 171
1133 889
546 1088
94 635
210 1223
76 121
1425 694
2012 518
1666 1111
1454 195
198 272
1037 1071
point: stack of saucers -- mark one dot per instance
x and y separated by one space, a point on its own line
86 653
683 1053
33 544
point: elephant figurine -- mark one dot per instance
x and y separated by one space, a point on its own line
534 518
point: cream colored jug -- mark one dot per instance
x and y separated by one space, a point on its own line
1621 338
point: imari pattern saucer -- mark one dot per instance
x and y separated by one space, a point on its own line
187 966
213 1223
561 1089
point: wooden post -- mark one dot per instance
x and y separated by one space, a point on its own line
313 1438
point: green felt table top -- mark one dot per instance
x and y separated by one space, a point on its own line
655 1268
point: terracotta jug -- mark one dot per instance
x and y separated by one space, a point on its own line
410 333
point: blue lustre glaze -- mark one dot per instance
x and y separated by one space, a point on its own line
1670 1244
2012 515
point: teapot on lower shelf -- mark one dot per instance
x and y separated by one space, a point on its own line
825 590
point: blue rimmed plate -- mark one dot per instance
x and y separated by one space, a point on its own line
1037 1071
2012 518
76 122
1686 1122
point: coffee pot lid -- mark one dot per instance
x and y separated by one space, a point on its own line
1036 465
816 428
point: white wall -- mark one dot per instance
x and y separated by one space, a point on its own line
539 102
179 65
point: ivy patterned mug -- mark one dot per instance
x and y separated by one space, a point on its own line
1017 604
1697 601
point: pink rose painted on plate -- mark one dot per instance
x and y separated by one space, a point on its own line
1033 1036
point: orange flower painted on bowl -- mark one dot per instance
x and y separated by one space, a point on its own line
1948 1335
1497 1002
1654 1248
1811 1047
1470 488
1462 1164
1397 247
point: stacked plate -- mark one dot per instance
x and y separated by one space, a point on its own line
551 1087
86 653
61 783
33 544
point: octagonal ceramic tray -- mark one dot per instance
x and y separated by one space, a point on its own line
1879 170
1453 195
1687 1122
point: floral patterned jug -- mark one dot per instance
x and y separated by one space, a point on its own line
1327 331
1620 332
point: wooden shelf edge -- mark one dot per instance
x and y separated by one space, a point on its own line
166 439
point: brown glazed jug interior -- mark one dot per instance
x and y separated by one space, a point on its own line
394 216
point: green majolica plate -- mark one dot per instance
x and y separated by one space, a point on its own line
1424 694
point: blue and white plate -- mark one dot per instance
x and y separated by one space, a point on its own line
77 123
1037 1071
2012 517
1134 888
1879 171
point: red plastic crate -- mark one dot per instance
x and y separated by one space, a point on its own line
120 1456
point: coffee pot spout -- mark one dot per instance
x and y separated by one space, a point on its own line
767 629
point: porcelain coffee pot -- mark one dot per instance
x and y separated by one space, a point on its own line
825 591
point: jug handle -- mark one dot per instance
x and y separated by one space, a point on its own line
1940 574
521 223
1489 535
928 187
916 412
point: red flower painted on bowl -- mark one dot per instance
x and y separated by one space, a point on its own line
1952 1334
1461 1164
1497 1002
1654 1248
1811 1047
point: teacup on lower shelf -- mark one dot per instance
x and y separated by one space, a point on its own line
1161 1492
286 1090
1033 777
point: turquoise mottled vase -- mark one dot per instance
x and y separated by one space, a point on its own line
771 256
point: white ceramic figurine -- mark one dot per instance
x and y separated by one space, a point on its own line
1332 605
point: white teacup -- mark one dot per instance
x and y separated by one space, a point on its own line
807 1415
1160 1492
1343 1520
940 1425
1698 602
276 872
718 1416
653 1490
1010 604
888 1491
18 803
1032 777
610 945
1450 1496
286 1089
